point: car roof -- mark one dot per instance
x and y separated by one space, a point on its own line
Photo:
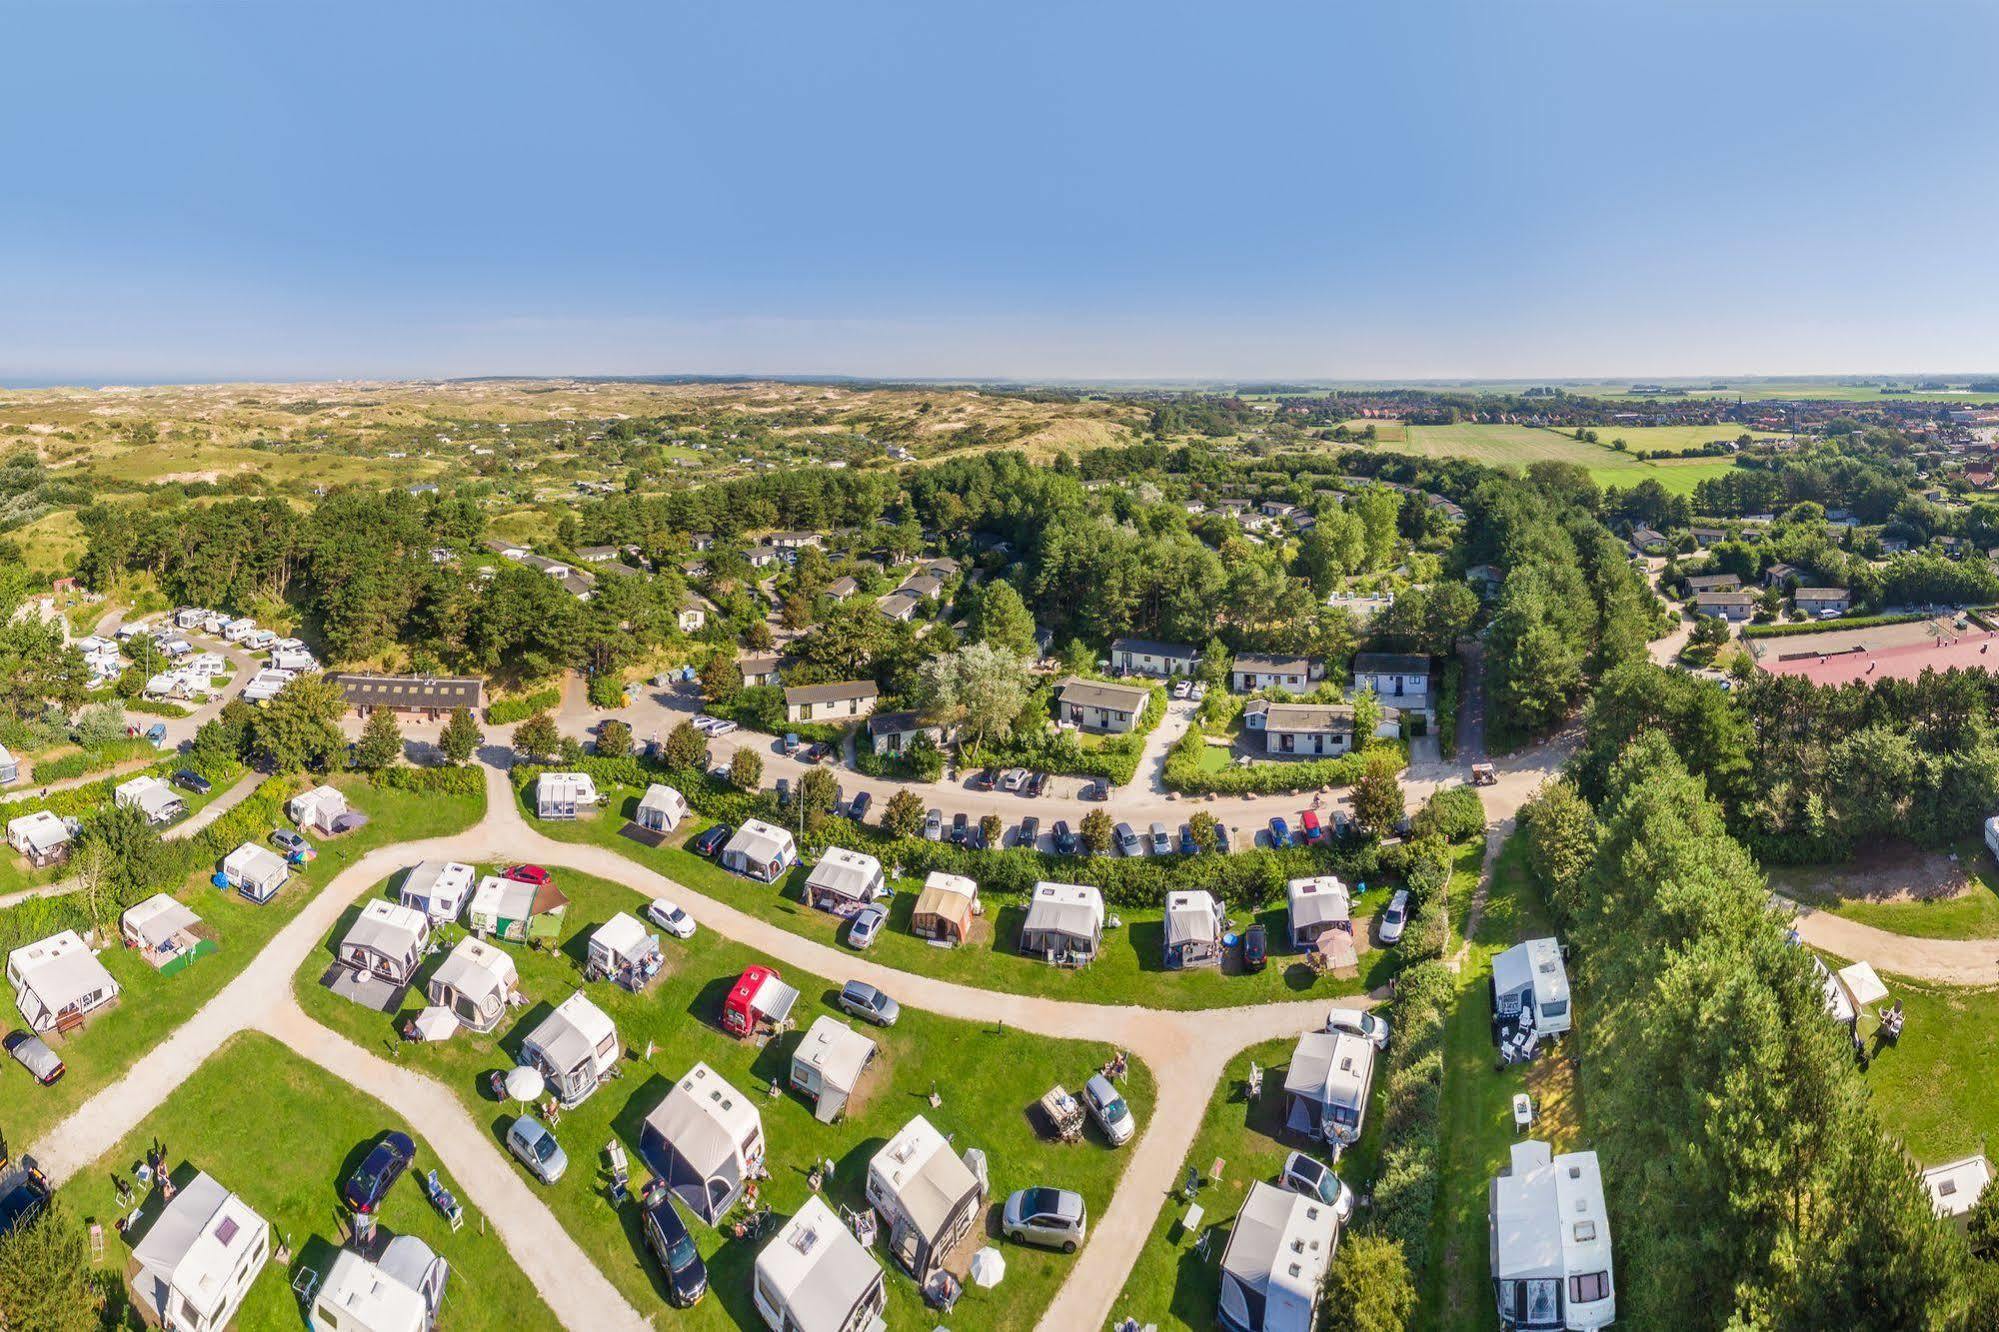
1100 1087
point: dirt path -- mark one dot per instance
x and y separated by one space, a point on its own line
1944 961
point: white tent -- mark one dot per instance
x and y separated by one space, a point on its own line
705 1139
1275 1264
436 1024
1530 982
623 950
760 850
814 1276
476 983
562 795
574 1047
256 872
1316 905
827 1065
317 809
58 980
661 808
1862 986
843 881
927 1194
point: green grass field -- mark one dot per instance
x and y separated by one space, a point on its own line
1129 970
1970 914
1925 1086
151 1006
1517 446
988 1077
285 1135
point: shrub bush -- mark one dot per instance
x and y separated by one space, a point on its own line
1826 626
1185 774
606 691
509 710
432 781
1405 1194
1115 759
1454 814
1447 707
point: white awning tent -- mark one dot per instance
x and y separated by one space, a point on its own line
661 808
1862 986
436 1024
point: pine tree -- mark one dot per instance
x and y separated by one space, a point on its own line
381 743
461 737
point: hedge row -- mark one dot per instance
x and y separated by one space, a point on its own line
1185 774
509 710
430 781
1827 626
1447 708
1405 1193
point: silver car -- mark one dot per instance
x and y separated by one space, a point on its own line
529 1139
1052 1218
1113 1116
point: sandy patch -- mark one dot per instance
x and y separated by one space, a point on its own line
1891 874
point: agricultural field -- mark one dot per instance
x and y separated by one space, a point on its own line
1517 446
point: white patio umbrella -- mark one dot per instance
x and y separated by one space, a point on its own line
524 1083
988 1267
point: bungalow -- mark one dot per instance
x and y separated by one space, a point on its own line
1734 607
575 1047
895 732
705 1140
761 557
1777 575
1823 600
830 702
922 585
386 942
1717 582
1708 536
476 982
1140 656
929 1196
1064 923
516 912
1253 671
1316 905
758 668
153 798
796 540
693 614
1275 1264
1530 985
943 567
437 888
898 606
317 810
760 851
255 871
1326 1086
945 908
40 837
597 554
622 950
1894 545
58 982
1646 541
841 588
1548 1236
198 1259
1301 728
815 1275
563 795
165 933
1955 1187
1194 922
826 1067
661 809
844 881
404 1292
1398 678
1096 705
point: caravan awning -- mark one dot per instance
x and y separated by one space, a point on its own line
774 1000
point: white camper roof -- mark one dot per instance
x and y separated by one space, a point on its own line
188 1251
60 969
158 919
1280 1248
41 830
1548 1217
1320 900
921 1172
320 800
817 1269
253 862
707 1120
1331 1067
1070 908
760 842
1534 965
838 1051
438 880
951 883
1955 1186
665 799
1192 917
850 874
387 927
476 969
621 934
566 787
569 1036
368 1298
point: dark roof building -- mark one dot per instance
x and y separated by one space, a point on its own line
410 693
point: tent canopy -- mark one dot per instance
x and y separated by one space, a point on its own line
1861 982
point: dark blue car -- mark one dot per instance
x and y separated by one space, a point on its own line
712 840
1187 845
371 1181
1280 834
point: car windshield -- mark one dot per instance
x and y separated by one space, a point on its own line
544 1147
681 1253
1115 1110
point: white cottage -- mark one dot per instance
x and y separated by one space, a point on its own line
58 982
1549 1240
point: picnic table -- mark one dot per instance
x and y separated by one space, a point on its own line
1064 1114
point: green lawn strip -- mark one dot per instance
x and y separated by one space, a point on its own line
1476 1129
1926 1086
1172 1285
1972 914
152 1006
285 1135
1130 969
989 1079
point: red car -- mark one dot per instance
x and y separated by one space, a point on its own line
533 874
1310 828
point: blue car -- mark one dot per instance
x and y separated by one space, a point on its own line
1222 838
1187 847
1280 834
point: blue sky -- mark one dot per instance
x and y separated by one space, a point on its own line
1334 189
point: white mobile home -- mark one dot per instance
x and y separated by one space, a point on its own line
438 888
1316 905
622 950
196 1262
404 1292
1276 1261
255 871
814 1276
761 851
1064 924
1326 1086
826 1067
477 982
845 881
1139 656
929 1197
163 931
40 837
563 795
386 941
1549 1237
661 809
58 982
153 798
317 810
574 1047
705 1139
1530 984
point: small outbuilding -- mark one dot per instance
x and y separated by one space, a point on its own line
1530 987
58 982
1064 924
826 1067
1327 1084
438 888
477 982
760 851
929 1197
255 871
624 951
945 908
318 810
165 932
814 1276
1193 923
706 1141
1316 905
661 809
563 795
386 941
844 881
574 1047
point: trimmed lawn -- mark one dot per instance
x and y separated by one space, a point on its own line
1130 969
989 1079
1174 1286
151 1006
1475 1124
285 1135
1927 1087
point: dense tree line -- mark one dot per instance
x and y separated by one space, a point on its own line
1749 1183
